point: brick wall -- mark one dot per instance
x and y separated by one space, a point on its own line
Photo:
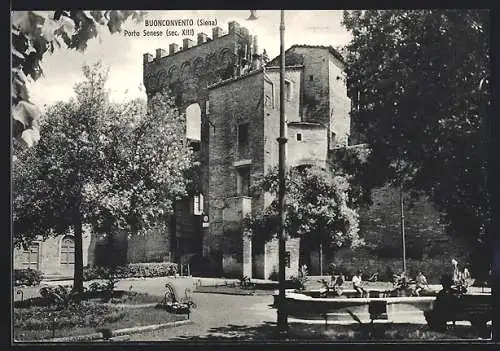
187 74
380 225
324 96
340 103
272 122
232 266
315 97
292 104
311 149
154 246
271 258
231 104
184 72
247 256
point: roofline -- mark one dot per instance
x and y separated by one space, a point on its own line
163 58
330 48
309 124
294 67
234 79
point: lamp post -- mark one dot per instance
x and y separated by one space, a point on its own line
282 317
401 200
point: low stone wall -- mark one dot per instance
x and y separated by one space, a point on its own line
305 307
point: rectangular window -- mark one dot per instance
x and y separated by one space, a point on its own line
30 256
299 137
311 78
269 94
198 205
288 90
243 139
68 251
207 107
287 259
268 101
243 181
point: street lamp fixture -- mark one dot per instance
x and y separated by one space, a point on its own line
282 317
252 16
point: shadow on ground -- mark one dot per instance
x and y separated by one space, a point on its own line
353 332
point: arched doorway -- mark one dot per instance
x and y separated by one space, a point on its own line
67 255
193 122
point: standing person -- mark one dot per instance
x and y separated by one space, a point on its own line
455 272
357 284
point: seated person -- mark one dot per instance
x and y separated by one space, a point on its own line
337 284
421 284
357 284
466 276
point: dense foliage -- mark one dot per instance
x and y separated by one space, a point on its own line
109 166
34 34
29 277
133 270
316 208
420 80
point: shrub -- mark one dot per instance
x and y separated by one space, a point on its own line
299 283
59 295
273 275
83 314
30 277
132 270
245 282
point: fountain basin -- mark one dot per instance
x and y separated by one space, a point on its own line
306 307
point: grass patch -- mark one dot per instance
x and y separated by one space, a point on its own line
37 318
131 298
87 318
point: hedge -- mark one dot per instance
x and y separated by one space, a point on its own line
30 277
132 270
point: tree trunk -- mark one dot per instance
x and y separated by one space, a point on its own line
78 271
173 233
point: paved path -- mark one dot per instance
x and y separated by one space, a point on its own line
216 315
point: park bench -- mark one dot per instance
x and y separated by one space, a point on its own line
475 308
172 303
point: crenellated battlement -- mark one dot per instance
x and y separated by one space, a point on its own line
249 41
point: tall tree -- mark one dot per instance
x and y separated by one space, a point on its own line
421 84
317 209
109 166
36 33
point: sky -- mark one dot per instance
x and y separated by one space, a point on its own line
123 55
